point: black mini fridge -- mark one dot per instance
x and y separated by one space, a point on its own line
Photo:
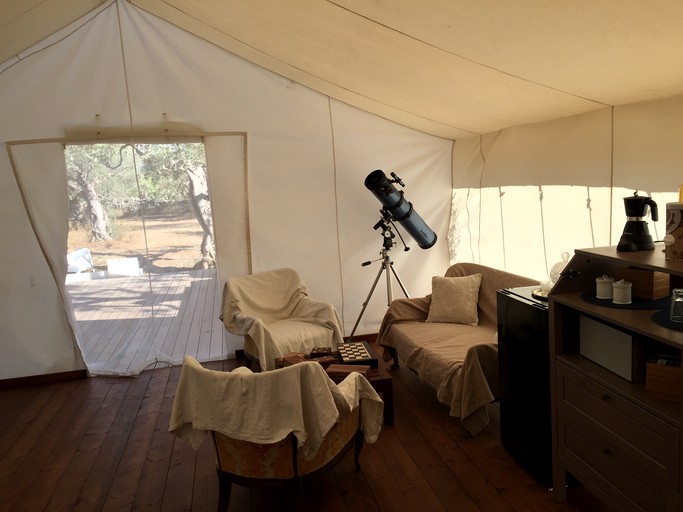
524 380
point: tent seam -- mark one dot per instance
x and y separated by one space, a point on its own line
497 70
611 174
336 205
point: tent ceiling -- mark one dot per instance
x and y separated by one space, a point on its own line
24 23
446 67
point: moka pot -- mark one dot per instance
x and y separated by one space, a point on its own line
636 235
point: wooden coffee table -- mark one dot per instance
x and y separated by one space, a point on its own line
379 379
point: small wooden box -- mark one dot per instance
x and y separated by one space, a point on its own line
320 352
325 361
293 358
645 284
338 372
663 377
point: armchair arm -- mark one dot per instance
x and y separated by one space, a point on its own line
356 392
240 323
247 325
401 310
308 306
404 310
322 313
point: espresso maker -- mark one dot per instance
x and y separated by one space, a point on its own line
636 236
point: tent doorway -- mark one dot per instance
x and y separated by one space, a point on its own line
141 255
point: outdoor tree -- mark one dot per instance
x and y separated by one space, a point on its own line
85 175
129 178
183 168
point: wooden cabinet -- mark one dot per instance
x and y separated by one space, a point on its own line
611 434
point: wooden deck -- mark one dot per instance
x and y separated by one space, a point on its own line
102 444
128 324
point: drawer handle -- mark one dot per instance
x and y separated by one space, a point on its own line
606 451
606 398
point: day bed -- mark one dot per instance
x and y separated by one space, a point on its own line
449 338
276 427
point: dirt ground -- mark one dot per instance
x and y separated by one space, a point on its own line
174 242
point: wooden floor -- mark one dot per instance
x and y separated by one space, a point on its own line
130 323
102 444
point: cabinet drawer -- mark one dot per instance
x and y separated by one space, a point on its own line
625 441
612 468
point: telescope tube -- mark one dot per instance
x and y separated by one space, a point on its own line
400 209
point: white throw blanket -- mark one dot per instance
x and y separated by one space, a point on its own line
274 309
266 407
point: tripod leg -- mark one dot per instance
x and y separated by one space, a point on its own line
393 271
367 300
389 294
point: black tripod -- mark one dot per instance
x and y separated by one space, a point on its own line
387 265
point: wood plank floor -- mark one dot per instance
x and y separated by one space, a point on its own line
130 323
102 444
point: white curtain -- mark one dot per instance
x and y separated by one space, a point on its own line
525 195
41 175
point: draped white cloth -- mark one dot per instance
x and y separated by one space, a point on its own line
274 309
265 407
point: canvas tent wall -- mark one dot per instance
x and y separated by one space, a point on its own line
524 195
306 156
557 111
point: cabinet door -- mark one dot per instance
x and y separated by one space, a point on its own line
524 383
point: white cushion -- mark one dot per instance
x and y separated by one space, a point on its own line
454 300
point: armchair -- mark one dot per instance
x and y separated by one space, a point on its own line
276 427
275 314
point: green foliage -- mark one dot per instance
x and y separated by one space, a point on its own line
127 178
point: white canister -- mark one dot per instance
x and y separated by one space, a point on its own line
621 292
603 287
